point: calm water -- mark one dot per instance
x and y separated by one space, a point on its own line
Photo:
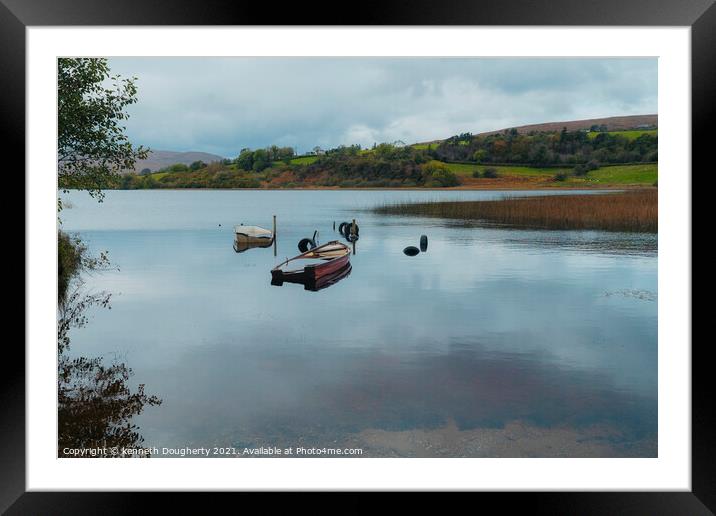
496 342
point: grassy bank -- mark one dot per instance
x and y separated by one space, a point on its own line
297 175
646 174
633 211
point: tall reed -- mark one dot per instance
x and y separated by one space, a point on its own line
631 211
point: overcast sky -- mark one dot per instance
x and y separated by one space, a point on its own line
222 105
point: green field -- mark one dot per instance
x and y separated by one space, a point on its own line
645 174
629 135
159 175
304 160
623 175
462 169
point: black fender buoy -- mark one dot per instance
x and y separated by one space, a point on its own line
341 227
305 244
347 230
423 243
411 250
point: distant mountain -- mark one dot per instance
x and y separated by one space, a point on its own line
158 159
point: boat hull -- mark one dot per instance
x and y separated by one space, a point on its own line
244 244
252 240
324 281
312 272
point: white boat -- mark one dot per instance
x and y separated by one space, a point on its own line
246 237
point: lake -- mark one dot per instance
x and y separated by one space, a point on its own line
495 342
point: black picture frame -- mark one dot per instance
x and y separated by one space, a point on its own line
17 15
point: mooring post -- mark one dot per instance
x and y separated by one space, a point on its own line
274 235
353 235
334 225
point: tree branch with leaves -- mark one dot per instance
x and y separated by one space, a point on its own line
92 147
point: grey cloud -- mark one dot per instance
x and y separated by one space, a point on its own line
221 105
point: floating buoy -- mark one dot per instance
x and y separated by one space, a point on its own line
341 227
423 243
411 250
346 232
305 244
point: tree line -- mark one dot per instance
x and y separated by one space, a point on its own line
400 165
385 165
547 148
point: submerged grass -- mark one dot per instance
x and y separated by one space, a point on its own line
632 211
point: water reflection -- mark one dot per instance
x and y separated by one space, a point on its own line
306 393
241 246
317 284
96 403
637 244
496 342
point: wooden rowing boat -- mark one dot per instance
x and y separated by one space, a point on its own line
324 281
313 265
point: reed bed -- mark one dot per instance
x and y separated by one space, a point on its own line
631 211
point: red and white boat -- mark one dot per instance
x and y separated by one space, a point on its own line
313 265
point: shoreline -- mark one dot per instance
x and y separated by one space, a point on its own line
417 189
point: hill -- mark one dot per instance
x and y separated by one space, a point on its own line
614 123
158 159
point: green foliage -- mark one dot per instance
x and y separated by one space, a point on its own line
196 165
385 165
582 170
91 145
73 258
630 135
69 259
261 160
245 160
177 167
549 148
437 174
479 156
